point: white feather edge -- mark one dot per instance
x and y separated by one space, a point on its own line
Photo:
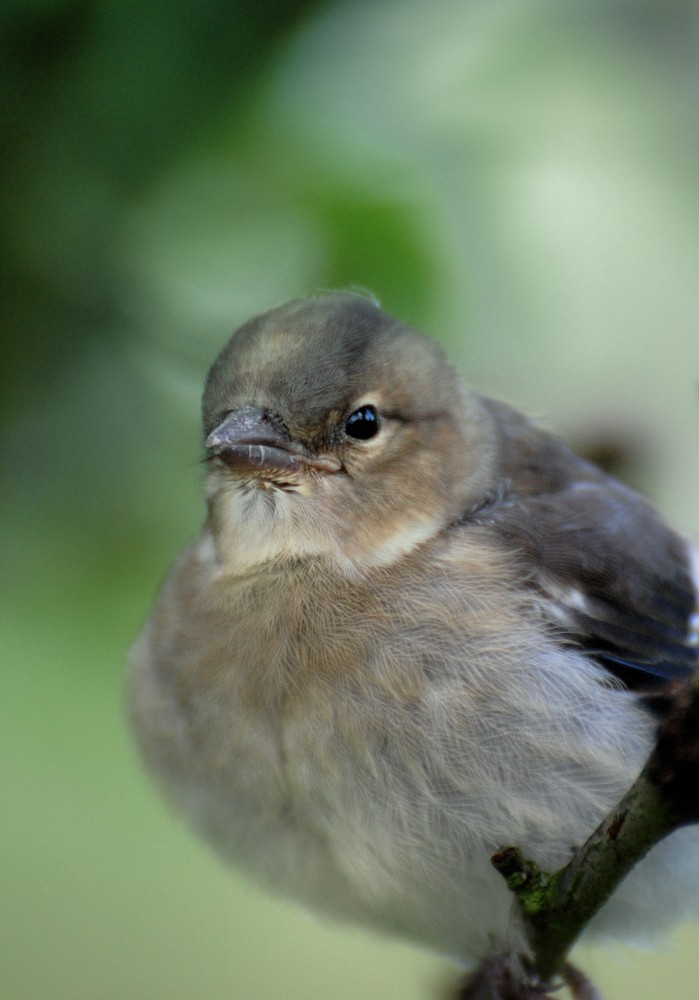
693 625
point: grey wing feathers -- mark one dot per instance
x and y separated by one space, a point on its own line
616 579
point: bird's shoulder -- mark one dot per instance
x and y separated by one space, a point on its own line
617 580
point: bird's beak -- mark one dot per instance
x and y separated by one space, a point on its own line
253 440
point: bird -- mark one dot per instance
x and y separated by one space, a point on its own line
415 628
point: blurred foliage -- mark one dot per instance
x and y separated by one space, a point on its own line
100 98
518 177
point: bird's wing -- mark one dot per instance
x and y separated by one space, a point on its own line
616 579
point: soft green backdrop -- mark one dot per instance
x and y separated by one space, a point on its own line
519 177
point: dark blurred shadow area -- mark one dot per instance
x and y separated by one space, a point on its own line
99 99
519 178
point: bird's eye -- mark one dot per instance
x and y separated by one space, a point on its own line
363 423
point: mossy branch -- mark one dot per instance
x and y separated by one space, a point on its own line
558 905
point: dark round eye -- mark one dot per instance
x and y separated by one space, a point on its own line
363 423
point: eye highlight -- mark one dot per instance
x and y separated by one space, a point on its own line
363 423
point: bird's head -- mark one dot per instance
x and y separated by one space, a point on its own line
333 430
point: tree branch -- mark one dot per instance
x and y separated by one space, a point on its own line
558 905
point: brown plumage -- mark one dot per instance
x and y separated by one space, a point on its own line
396 645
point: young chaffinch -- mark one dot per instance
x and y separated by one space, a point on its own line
414 629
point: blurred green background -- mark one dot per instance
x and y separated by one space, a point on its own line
518 177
